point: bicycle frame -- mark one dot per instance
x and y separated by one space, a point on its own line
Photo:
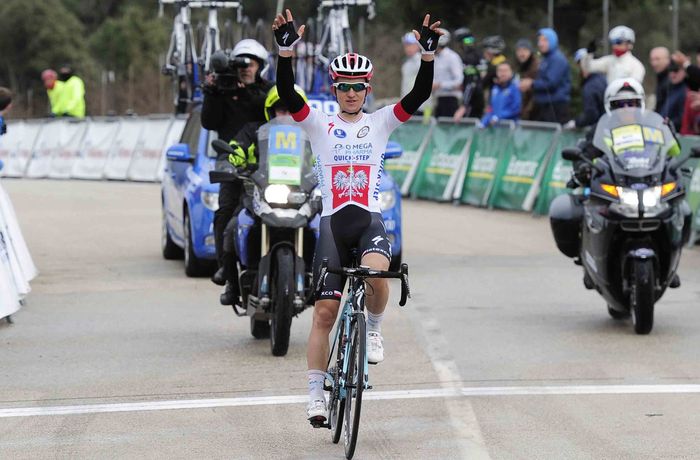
354 305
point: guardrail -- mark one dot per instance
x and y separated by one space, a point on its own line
126 148
507 166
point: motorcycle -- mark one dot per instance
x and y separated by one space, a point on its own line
628 227
276 230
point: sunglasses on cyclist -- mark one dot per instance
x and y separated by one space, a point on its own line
468 40
345 87
624 103
617 41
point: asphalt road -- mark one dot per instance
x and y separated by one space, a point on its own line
500 354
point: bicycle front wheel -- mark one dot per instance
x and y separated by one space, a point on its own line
354 383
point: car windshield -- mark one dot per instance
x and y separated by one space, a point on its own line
284 154
634 141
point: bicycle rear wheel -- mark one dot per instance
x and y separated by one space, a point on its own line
354 383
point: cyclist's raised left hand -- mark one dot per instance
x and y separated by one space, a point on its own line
428 36
286 34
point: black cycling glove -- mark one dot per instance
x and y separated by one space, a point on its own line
286 36
428 40
592 46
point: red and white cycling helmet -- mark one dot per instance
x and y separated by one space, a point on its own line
351 65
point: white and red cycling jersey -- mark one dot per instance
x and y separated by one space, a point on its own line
349 155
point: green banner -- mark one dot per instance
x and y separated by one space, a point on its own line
488 148
558 172
441 161
411 136
693 185
522 167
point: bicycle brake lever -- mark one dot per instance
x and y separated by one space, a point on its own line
405 289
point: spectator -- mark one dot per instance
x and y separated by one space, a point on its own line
675 104
528 64
53 90
691 114
67 95
505 97
473 96
493 47
447 81
552 87
660 59
5 106
409 69
620 64
692 71
593 95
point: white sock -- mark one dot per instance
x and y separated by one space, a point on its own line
374 322
316 379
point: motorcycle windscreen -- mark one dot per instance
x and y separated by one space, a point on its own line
634 141
285 155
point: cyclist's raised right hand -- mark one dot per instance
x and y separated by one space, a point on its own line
286 35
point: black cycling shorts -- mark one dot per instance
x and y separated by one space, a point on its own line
351 227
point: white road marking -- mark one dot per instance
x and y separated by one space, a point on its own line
370 395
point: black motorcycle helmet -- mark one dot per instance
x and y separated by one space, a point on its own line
464 36
493 44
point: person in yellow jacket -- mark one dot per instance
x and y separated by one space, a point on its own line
53 89
67 94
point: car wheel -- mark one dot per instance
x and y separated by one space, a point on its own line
194 266
171 251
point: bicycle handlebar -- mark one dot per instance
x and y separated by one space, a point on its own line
366 272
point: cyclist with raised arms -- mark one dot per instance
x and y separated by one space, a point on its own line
349 149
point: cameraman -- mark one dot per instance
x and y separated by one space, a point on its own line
233 96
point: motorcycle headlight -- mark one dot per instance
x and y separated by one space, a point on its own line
387 200
628 205
277 193
210 200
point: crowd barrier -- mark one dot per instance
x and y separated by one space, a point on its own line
128 148
507 166
16 266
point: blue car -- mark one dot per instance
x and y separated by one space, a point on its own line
189 201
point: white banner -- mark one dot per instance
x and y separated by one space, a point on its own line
173 137
67 149
16 146
146 158
122 150
24 265
99 138
44 147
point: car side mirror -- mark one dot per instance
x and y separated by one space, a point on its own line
571 154
393 150
179 152
695 152
221 147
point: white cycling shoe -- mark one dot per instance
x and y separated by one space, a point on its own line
316 411
375 347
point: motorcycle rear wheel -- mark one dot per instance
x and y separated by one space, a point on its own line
642 297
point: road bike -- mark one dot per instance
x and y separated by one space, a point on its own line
349 376
182 62
331 37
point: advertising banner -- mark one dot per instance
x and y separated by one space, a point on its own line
100 136
413 137
558 172
442 160
522 168
67 149
147 155
16 147
119 159
43 149
173 137
488 148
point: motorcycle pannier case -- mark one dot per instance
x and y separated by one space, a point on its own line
565 217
